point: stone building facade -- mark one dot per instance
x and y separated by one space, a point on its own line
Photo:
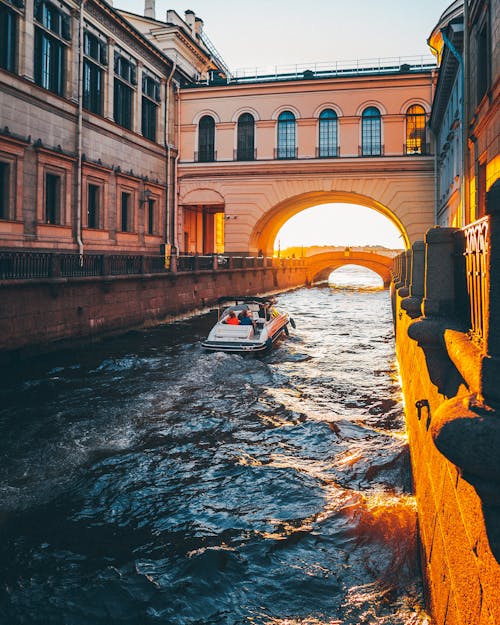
87 127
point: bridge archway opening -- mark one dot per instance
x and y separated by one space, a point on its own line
355 277
328 218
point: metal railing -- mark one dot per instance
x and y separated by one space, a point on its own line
305 71
477 250
27 265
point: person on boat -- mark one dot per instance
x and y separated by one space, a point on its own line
245 318
232 319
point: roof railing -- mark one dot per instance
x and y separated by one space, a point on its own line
395 64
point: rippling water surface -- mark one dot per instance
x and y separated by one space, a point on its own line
143 480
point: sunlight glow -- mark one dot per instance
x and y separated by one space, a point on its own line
339 224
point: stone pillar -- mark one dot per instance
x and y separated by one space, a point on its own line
413 303
439 297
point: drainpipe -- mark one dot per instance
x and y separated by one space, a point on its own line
460 60
79 136
167 146
176 160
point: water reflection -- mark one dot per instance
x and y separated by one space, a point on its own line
144 480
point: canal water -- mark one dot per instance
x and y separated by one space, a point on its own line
143 480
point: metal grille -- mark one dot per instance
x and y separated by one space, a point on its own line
476 262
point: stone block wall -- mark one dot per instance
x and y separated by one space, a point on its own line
41 314
461 571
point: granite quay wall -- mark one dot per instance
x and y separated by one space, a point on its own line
445 298
41 314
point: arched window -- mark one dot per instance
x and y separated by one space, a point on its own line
327 133
206 139
245 149
415 130
371 144
286 135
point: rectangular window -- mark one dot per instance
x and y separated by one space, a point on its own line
125 79
125 212
150 99
95 60
93 205
4 190
52 199
151 216
51 32
8 37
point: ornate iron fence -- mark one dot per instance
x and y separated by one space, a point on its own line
477 251
25 265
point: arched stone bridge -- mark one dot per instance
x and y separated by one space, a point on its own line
321 265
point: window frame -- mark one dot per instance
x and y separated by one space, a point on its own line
9 31
55 217
245 137
94 67
328 131
150 105
52 37
416 145
371 131
206 140
286 136
124 87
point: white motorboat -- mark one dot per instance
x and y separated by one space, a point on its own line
263 325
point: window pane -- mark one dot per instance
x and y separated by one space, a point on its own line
286 135
206 139
122 104
49 62
371 132
125 212
4 190
415 130
93 199
52 199
328 133
151 216
246 138
149 119
92 87
8 37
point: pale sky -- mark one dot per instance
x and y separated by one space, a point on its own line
339 224
250 33
268 33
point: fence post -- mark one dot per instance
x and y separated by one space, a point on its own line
413 303
55 266
439 297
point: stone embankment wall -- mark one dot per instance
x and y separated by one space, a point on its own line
38 314
449 366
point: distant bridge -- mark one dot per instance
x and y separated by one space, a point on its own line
320 266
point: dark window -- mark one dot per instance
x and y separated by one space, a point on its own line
246 138
151 216
93 201
4 190
125 212
52 199
150 99
415 130
93 84
327 133
206 139
8 37
371 132
286 135
482 67
53 27
125 79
